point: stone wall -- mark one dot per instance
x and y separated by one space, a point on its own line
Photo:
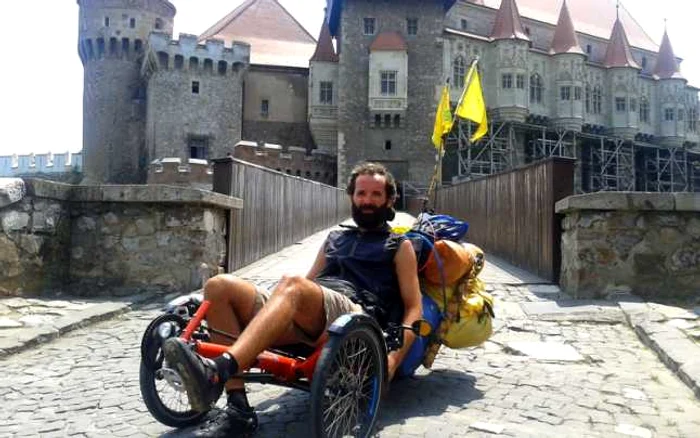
631 242
98 240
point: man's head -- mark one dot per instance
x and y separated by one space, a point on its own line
372 190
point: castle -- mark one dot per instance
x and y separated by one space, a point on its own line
558 81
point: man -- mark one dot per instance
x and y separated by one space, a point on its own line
351 264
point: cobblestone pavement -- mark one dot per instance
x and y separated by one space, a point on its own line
545 372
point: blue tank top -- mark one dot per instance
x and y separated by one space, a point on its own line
366 260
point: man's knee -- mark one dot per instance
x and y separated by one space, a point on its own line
222 286
293 288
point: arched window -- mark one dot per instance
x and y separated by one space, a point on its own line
208 65
587 100
163 59
179 62
597 100
459 70
194 63
222 67
536 87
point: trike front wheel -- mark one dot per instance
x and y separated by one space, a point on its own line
347 384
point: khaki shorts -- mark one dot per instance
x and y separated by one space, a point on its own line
335 305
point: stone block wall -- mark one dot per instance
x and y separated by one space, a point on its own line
100 240
647 244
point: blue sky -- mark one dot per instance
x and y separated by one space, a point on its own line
42 77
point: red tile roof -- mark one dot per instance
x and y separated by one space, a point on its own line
508 25
275 36
388 41
618 53
592 17
565 39
325 52
666 64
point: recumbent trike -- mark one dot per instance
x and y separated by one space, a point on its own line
345 376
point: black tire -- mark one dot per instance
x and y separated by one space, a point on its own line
153 384
327 388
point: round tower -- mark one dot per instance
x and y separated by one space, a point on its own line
111 43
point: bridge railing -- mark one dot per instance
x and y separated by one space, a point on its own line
512 215
278 209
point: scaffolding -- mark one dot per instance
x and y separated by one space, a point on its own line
603 162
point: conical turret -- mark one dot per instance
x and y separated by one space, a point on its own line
508 25
325 52
618 53
565 39
666 65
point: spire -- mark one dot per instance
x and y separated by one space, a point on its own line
508 25
666 65
565 39
324 48
618 53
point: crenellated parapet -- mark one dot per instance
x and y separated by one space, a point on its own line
187 53
33 164
195 173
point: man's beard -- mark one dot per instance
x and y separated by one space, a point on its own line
378 217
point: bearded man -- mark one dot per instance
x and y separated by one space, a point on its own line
356 268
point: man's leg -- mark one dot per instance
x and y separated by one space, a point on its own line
296 304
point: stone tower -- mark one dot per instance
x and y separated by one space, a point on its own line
511 48
390 52
323 93
672 92
569 59
623 84
112 38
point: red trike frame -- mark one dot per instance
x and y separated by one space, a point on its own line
275 367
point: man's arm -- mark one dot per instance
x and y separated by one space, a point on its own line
407 273
319 263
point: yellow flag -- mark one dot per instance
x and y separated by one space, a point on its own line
443 118
472 106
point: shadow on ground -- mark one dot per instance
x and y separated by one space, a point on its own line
432 394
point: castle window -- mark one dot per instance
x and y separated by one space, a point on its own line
633 105
507 81
208 66
159 24
222 67
588 99
194 63
317 176
132 23
163 60
681 115
100 47
644 62
577 93
369 25
388 83
520 82
692 120
289 171
535 88
198 146
326 93
265 108
138 46
597 100
112 46
106 21
387 145
669 114
565 93
644 110
459 70
464 24
397 121
298 172
179 62
307 174
589 49
195 87
125 46
412 26
377 120
527 30
387 120
620 104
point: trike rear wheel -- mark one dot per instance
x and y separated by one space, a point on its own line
347 384
161 388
